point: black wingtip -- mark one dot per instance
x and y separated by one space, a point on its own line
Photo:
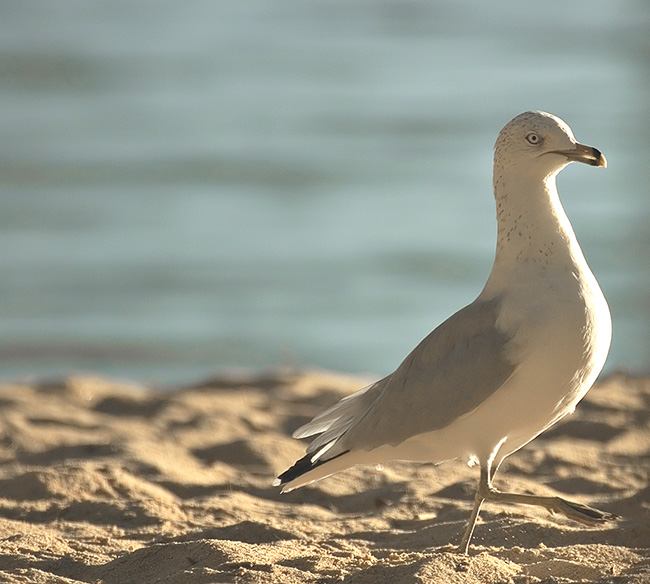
302 466
299 468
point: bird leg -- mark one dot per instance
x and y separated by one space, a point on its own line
576 511
486 492
482 489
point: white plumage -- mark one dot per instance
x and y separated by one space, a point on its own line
503 369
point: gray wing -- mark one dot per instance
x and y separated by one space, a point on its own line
450 373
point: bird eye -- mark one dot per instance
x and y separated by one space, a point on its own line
533 138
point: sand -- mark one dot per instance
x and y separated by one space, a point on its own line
107 481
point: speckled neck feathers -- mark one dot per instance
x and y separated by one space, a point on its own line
531 223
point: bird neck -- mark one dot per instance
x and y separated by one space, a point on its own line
532 225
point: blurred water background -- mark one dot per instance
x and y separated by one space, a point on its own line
188 186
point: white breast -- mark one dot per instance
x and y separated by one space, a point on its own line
560 327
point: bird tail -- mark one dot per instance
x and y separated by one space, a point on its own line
328 452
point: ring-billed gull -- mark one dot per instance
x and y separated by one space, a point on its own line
503 369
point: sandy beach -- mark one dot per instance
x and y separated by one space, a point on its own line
105 481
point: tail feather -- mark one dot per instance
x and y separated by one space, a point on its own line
340 413
329 428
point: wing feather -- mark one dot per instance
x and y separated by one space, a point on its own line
449 374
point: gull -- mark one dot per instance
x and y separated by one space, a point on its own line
506 367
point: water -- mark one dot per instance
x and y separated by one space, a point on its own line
191 186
